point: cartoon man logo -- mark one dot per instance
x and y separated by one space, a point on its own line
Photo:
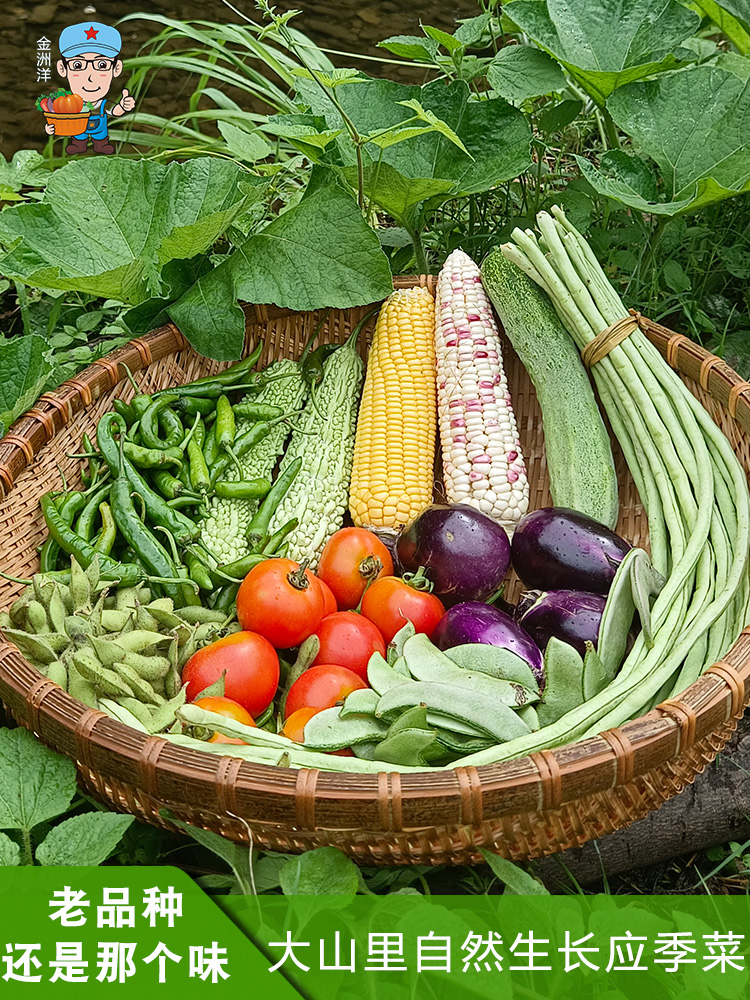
91 60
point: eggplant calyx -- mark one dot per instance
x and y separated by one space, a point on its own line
298 578
418 581
370 567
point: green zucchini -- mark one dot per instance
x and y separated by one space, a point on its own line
579 454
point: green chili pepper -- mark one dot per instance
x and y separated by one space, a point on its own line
183 529
105 540
227 597
273 543
151 458
150 421
247 489
171 424
225 423
85 523
152 553
125 410
257 411
261 520
210 447
191 405
167 484
199 476
68 507
198 572
241 567
83 550
94 461
215 385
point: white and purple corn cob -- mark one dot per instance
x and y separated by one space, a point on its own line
482 461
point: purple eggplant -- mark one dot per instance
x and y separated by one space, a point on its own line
473 621
464 553
559 549
569 615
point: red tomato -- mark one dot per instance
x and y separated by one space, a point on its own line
349 640
321 687
294 725
229 708
279 602
251 665
68 104
389 603
351 557
330 607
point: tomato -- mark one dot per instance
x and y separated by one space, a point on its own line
330 607
321 687
251 665
279 602
349 640
68 104
351 557
294 725
229 708
389 603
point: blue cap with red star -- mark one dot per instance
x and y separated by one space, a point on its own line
90 36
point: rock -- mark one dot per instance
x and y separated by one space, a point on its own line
44 13
369 15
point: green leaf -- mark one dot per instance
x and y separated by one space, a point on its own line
731 18
474 32
319 254
557 118
88 839
623 177
495 135
516 879
411 47
604 46
449 42
24 371
36 784
334 79
519 72
309 130
108 225
699 164
247 146
322 871
10 852
26 169
438 125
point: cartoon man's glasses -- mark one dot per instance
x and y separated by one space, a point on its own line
102 65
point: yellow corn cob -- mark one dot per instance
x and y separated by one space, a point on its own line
394 450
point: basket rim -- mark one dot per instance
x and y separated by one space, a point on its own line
544 780
54 115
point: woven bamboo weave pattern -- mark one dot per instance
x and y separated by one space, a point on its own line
523 808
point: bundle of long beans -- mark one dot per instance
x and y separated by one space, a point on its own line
692 486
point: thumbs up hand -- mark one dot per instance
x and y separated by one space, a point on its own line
126 103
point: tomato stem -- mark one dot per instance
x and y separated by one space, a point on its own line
370 567
418 581
298 578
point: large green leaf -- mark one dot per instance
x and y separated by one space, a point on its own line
323 871
519 72
36 784
495 135
318 254
700 163
606 45
88 839
23 373
26 169
108 225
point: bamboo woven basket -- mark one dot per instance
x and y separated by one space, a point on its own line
524 808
